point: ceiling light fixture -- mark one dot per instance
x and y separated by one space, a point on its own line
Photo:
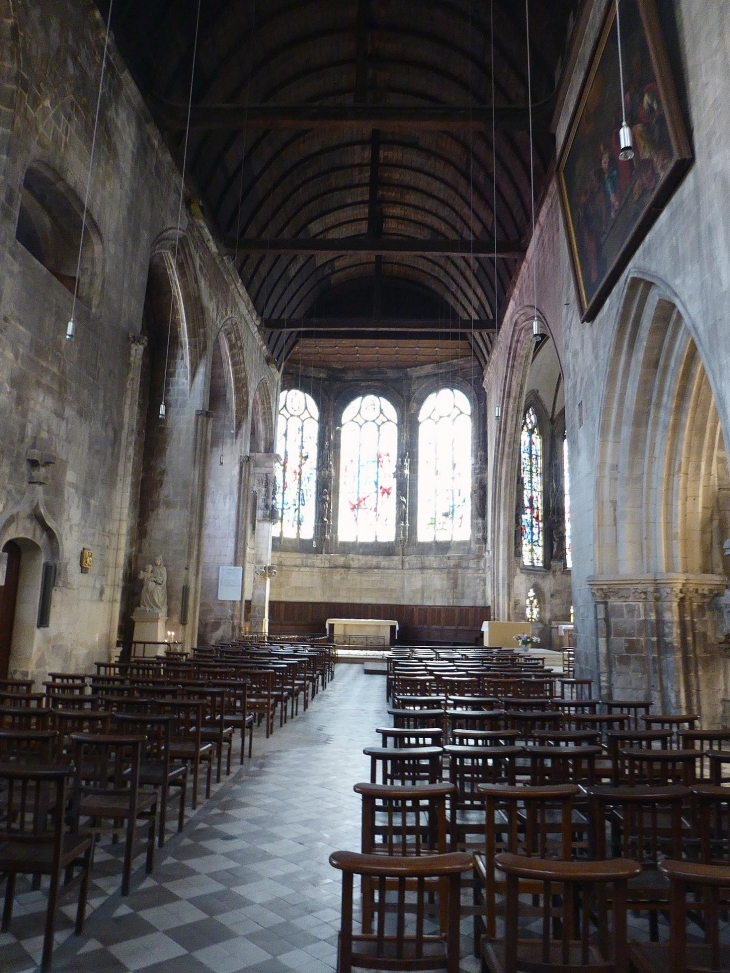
536 328
163 410
625 139
71 326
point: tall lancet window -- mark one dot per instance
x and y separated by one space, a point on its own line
296 444
566 501
444 467
532 506
368 453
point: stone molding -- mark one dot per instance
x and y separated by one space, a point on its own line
657 587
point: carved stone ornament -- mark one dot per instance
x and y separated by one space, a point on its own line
154 589
38 462
667 588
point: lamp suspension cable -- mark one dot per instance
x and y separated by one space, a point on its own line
536 329
163 409
71 326
494 171
625 139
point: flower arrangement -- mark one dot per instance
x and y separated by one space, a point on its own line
526 640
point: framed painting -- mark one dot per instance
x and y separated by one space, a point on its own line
609 204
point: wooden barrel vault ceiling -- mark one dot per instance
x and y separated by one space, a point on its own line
343 157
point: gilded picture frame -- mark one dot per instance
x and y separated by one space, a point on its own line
608 204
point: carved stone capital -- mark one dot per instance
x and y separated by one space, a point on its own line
661 588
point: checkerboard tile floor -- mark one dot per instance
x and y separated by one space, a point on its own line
247 885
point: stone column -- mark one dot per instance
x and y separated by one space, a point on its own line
119 528
402 486
325 487
264 481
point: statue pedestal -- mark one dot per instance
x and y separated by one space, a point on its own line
149 626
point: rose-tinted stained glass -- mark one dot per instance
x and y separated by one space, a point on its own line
566 489
532 606
296 444
532 507
368 453
444 467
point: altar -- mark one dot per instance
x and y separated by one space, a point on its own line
361 631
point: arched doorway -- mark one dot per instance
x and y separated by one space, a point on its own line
8 599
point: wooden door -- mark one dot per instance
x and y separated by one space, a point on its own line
8 598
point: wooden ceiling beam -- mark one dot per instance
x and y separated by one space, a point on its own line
347 327
367 246
459 118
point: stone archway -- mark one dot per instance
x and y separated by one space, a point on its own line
662 511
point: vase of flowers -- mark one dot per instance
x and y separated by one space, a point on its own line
526 640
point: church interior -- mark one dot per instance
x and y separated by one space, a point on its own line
333 337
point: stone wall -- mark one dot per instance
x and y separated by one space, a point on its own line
647 475
90 403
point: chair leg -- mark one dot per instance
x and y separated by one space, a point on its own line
128 845
50 921
209 779
164 791
151 839
84 890
181 811
196 771
9 897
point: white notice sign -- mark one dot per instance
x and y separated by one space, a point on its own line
230 584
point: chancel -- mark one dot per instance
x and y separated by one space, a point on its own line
363 395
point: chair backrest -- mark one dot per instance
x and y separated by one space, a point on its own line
404 820
712 881
430 736
24 718
408 885
32 806
651 822
106 764
28 747
529 820
582 887
404 765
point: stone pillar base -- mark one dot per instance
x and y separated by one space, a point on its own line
149 627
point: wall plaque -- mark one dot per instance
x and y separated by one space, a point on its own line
230 583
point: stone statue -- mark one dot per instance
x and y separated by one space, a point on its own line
154 588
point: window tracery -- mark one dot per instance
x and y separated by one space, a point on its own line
368 455
297 446
444 467
531 451
532 606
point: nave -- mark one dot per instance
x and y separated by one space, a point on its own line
247 884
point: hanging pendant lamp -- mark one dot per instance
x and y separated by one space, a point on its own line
625 138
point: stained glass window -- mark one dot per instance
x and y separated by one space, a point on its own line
532 606
297 446
531 452
368 452
566 501
444 467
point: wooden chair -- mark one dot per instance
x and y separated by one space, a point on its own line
677 724
157 768
407 718
643 823
236 713
633 708
535 821
404 765
401 820
430 736
34 840
567 764
20 686
660 767
186 741
577 948
678 955
261 699
28 748
704 742
214 729
469 768
619 740
106 789
24 718
401 944
575 689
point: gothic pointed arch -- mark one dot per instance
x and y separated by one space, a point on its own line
662 509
